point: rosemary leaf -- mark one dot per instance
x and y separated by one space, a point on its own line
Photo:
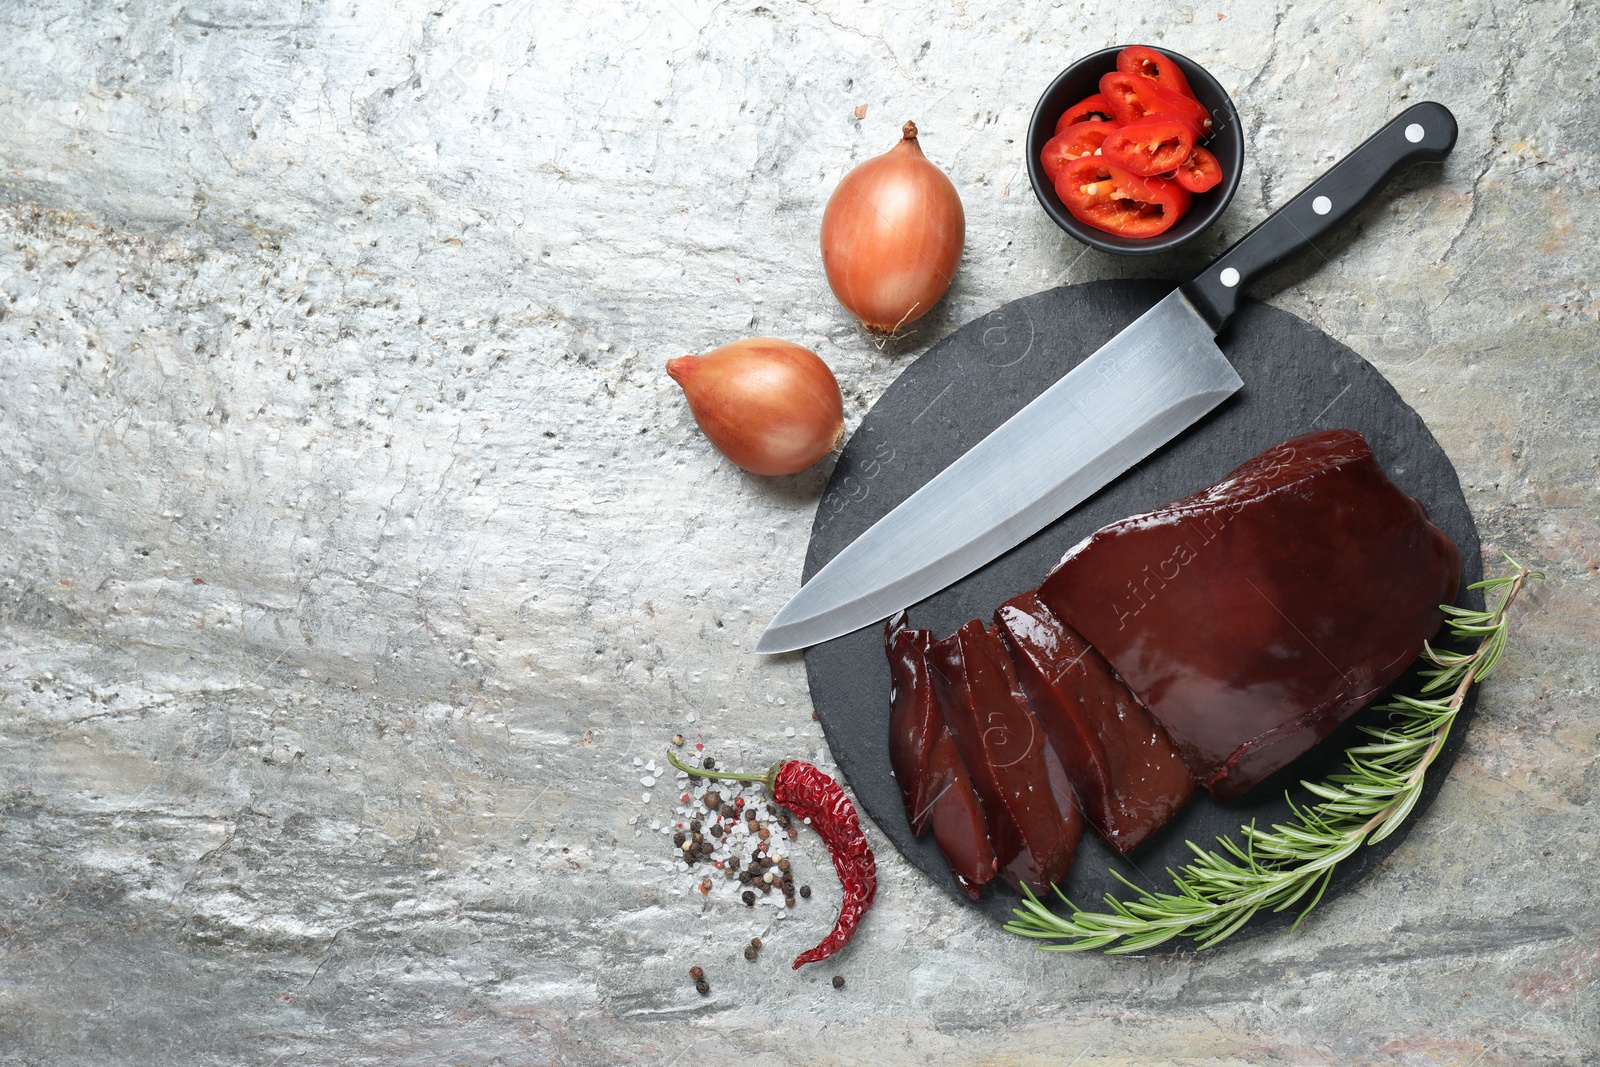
1216 893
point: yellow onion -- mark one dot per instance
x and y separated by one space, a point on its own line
770 406
892 236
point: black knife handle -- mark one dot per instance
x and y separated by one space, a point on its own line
1423 133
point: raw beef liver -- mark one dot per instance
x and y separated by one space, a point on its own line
1034 823
1128 776
1255 616
933 780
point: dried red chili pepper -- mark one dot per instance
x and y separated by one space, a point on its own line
823 803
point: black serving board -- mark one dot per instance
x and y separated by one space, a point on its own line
1297 380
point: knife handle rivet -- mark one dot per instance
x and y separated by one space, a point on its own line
1229 277
1414 133
1322 205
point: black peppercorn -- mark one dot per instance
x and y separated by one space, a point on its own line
716 830
750 952
703 987
709 763
838 981
805 891
749 898
694 824
679 838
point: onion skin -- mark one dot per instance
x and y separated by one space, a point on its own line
769 405
892 236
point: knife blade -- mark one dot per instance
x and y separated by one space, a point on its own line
1146 385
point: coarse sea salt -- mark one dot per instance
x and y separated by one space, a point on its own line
647 781
645 796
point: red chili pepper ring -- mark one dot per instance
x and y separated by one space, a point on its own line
822 803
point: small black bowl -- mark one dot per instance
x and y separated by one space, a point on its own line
1226 142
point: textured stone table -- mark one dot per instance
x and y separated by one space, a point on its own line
354 543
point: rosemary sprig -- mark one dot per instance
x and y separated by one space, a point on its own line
1220 891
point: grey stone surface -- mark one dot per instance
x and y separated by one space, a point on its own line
355 543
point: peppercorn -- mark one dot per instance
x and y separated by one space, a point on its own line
765 887
730 874
749 898
805 891
727 811
694 824
755 943
697 972
712 800
764 833
783 819
709 764
679 838
794 833
705 886
838 981
750 953
703 988
706 848
788 902
783 865
733 862
716 830
677 739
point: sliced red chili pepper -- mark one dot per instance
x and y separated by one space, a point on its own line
1090 109
1079 139
1133 97
1199 172
1107 197
1153 145
1157 66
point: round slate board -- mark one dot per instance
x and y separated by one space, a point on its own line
1296 380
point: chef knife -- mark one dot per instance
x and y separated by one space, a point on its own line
1146 385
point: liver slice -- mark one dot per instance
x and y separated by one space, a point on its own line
933 780
1128 776
1034 824
1253 617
